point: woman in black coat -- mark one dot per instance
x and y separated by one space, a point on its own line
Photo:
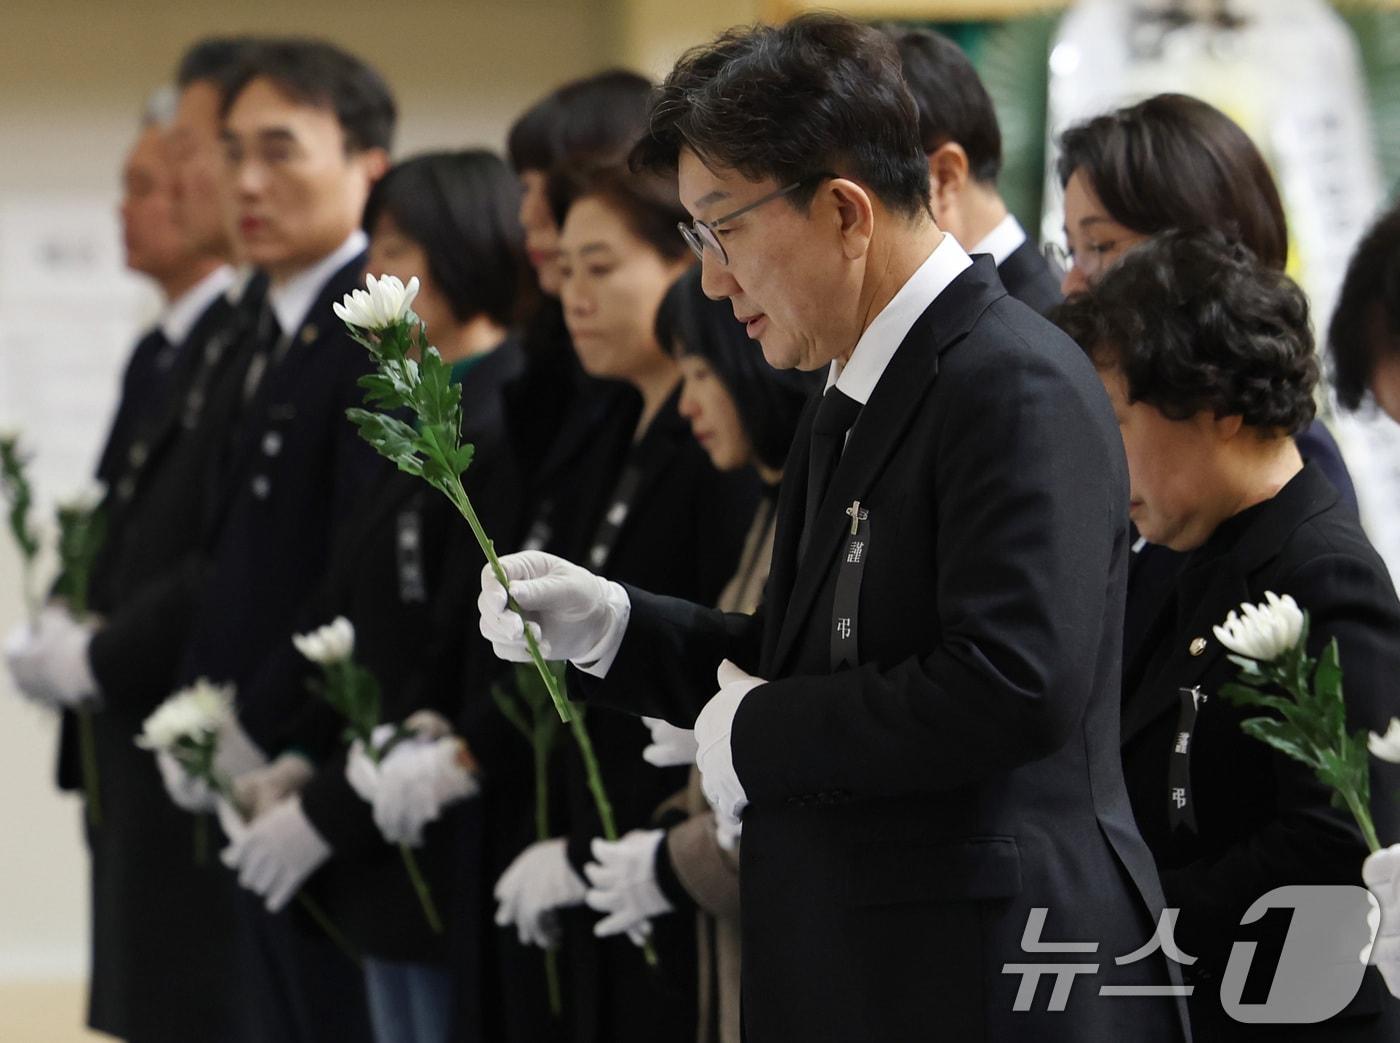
1208 359
643 504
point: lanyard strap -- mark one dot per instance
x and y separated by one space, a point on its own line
1181 808
845 608
615 517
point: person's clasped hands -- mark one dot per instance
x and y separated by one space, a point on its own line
413 774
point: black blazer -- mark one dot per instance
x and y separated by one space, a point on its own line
290 485
1028 277
1262 819
406 574
907 815
152 907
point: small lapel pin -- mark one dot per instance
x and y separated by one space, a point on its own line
309 333
1198 646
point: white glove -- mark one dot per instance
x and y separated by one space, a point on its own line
728 833
235 755
537 883
49 660
362 770
670 746
417 780
276 853
574 614
715 757
1381 871
258 790
623 876
419 777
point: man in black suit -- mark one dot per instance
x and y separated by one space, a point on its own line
919 729
153 976
962 139
306 130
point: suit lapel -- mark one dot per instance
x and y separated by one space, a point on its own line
1158 693
877 435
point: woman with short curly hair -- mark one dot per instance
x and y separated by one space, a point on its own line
1208 359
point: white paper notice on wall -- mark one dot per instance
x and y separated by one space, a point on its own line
69 314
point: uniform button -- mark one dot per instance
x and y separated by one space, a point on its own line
272 443
126 488
309 333
137 454
262 487
1198 646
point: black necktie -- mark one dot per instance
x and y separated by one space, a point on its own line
266 333
835 416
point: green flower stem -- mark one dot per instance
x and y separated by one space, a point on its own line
425 897
78 545
87 743
1362 814
458 494
313 909
551 956
32 604
604 806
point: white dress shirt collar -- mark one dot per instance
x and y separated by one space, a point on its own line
1002 241
882 338
184 311
291 299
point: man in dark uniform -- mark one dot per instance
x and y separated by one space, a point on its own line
307 130
154 976
960 135
920 727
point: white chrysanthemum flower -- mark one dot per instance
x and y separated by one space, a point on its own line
386 302
330 644
198 711
1263 632
1387 746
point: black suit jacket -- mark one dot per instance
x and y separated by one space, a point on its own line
1262 819
1028 277
406 575
152 907
289 488
907 815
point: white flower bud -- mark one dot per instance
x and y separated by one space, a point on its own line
327 645
385 303
1387 746
1263 632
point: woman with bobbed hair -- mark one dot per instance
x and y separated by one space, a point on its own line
1363 340
642 505
578 126
1172 162
1208 359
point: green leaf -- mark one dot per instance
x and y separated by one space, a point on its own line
1327 678
1281 736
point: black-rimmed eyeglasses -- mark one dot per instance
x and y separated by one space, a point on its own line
700 234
